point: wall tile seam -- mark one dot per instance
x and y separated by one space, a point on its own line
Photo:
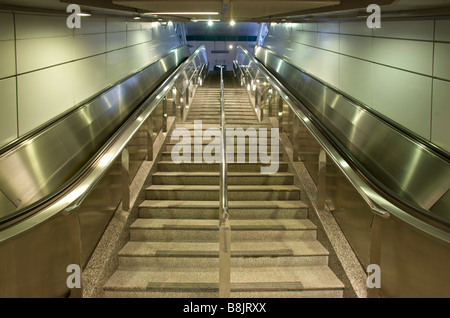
373 62
75 60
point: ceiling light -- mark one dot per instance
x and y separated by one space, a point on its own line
182 13
84 14
205 20
232 22
230 46
210 23
137 18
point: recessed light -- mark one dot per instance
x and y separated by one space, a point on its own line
182 13
232 22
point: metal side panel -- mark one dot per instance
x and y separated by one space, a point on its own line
402 164
34 275
40 165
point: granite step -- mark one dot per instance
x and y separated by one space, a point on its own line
177 209
211 192
212 178
169 166
205 254
193 230
304 281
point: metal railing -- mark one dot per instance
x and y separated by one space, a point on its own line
150 116
276 97
224 225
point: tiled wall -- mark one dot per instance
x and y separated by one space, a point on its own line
221 58
401 70
47 68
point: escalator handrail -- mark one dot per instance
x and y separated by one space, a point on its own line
375 201
81 186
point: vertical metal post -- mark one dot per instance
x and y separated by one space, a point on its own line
321 181
224 258
280 113
150 138
187 94
182 101
375 251
256 98
125 179
174 101
270 102
295 137
165 114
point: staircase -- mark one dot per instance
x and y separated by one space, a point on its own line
173 247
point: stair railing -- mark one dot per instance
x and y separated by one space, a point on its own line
224 225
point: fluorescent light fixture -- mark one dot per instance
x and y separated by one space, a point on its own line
182 13
205 20
137 18
84 14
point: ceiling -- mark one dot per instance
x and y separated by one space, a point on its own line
239 10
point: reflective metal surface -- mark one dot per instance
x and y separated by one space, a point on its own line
42 164
395 161
411 248
36 251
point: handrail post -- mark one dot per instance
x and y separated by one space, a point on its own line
125 158
150 138
321 181
164 113
270 102
224 225
295 137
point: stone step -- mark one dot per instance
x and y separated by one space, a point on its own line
212 178
173 230
303 281
205 254
210 209
211 192
210 167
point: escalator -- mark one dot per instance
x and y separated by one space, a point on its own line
60 185
387 188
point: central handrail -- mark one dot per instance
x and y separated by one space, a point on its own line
224 226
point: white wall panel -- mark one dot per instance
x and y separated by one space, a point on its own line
41 26
138 37
115 24
441 114
442 30
87 45
8 118
332 27
310 27
90 77
413 30
356 46
328 41
416 56
6 26
355 78
404 97
116 66
90 25
442 60
355 28
43 95
33 54
116 40
8 58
